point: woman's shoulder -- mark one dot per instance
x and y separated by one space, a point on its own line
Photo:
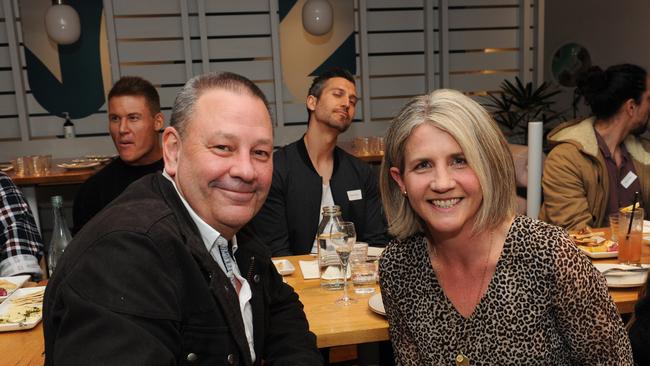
402 246
535 236
529 228
401 251
402 264
543 251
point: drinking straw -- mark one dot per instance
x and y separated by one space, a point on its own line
629 226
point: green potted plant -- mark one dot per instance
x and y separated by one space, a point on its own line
517 104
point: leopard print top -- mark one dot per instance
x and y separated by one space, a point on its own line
545 305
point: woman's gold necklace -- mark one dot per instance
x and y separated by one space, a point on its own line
461 359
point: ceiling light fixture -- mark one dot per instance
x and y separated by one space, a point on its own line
62 23
317 17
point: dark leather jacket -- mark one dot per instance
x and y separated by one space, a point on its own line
137 286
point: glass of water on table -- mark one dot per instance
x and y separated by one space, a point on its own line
364 272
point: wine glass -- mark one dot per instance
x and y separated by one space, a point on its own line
343 244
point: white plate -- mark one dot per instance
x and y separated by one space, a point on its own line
31 323
78 165
6 168
97 159
621 278
100 157
598 255
84 161
16 280
284 266
376 305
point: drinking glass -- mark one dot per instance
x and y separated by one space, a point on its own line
40 164
629 242
343 244
361 145
376 145
23 166
613 226
359 252
363 272
364 277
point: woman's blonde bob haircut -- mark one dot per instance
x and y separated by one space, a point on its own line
483 144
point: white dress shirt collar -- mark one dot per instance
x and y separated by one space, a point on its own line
208 233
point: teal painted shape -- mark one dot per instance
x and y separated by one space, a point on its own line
344 57
284 6
82 90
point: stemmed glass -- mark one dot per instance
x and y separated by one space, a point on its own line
343 244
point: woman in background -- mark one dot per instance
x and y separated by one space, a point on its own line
466 282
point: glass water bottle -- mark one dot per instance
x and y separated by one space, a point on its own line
331 275
60 235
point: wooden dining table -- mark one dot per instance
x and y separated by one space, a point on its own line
23 347
55 175
625 298
333 324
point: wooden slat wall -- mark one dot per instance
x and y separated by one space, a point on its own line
396 48
484 39
10 129
152 46
41 122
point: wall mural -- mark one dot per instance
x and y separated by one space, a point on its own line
73 78
305 55
76 78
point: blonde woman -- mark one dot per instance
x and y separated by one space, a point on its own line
466 282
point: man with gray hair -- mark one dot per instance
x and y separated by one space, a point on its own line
161 275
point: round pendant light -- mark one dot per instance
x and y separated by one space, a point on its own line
317 17
62 23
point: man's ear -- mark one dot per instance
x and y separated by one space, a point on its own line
311 102
171 150
630 107
159 121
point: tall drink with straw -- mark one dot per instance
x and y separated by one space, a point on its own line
630 234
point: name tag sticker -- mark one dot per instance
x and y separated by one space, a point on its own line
625 182
354 195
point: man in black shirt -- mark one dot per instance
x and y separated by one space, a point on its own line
313 172
134 121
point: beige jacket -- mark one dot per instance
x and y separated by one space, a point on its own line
575 180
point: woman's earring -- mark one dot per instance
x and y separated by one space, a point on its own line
404 193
